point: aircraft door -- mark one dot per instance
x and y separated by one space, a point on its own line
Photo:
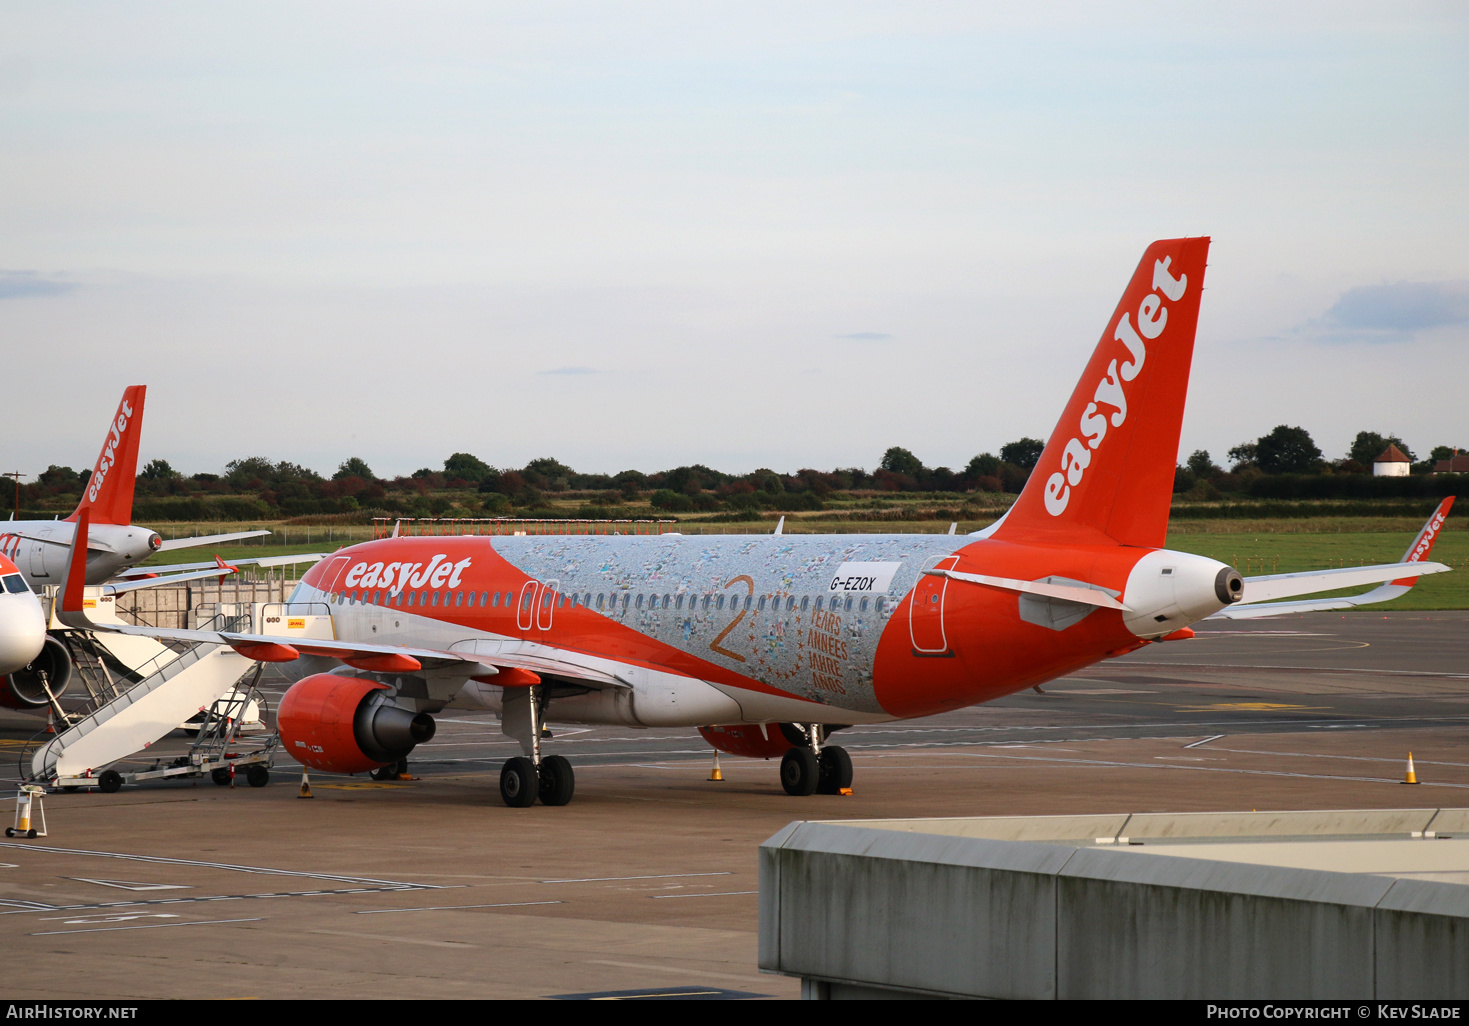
926 610
38 559
525 615
546 605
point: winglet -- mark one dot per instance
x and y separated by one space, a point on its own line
225 566
1423 544
780 527
109 494
73 591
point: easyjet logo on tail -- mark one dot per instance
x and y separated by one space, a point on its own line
1111 392
109 450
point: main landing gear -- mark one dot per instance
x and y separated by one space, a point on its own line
811 767
527 777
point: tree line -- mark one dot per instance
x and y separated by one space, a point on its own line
1285 463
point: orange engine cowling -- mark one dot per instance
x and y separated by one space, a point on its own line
26 687
747 740
347 724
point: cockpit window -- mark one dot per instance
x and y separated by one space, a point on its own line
15 584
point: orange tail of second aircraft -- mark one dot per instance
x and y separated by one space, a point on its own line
109 494
1107 471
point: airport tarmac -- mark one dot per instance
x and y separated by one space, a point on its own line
646 882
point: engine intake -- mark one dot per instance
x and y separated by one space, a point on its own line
347 724
23 689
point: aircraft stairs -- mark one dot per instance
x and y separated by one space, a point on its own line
172 687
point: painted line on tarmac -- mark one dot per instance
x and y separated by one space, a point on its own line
1204 741
157 926
161 860
1206 769
140 902
1312 669
448 908
1350 758
657 876
684 970
712 894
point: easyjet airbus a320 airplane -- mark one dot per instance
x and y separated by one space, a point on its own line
770 643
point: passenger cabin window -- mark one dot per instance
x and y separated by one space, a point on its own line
805 601
849 604
678 602
640 602
472 596
412 597
762 603
599 600
863 604
882 603
790 603
720 603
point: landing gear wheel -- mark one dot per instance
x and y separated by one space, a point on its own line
219 776
257 776
799 771
519 783
558 783
110 782
835 770
393 771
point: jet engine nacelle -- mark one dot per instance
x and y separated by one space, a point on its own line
747 740
23 688
347 724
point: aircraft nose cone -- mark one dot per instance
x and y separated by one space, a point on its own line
22 630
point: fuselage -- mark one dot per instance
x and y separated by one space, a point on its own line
815 628
40 548
22 623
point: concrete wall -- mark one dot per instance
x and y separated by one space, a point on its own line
854 907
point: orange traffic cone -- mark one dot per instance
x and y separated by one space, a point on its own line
50 720
716 775
1412 777
305 786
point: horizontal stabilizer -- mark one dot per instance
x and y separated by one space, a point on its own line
1086 596
1279 586
209 539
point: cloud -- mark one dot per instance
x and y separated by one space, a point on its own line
1406 306
867 336
14 284
571 371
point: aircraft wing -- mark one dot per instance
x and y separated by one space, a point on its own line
1398 586
122 587
263 561
208 539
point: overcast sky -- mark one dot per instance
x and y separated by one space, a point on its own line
742 234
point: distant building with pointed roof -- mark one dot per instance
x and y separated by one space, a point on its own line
1392 463
1455 464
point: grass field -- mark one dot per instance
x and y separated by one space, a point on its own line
1253 546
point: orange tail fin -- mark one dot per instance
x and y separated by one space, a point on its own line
1107 471
109 494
